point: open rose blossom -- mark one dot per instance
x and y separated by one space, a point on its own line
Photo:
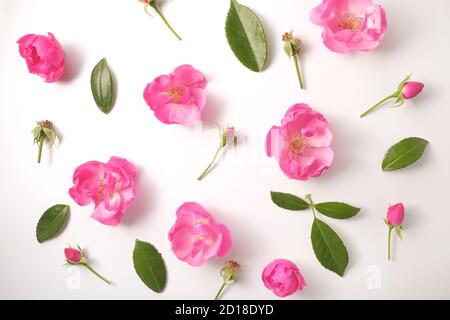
196 237
178 97
283 277
302 143
43 54
350 25
111 186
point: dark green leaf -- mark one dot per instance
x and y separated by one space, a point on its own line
102 86
328 247
337 210
288 201
245 35
149 265
51 222
404 153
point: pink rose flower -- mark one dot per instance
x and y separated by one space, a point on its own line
283 277
302 143
72 255
111 186
395 214
411 89
178 97
196 237
350 25
43 54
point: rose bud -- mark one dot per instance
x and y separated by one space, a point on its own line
292 49
283 278
394 220
411 89
229 275
43 131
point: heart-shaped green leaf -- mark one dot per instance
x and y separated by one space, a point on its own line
337 210
288 201
102 86
246 37
328 247
52 222
149 265
404 153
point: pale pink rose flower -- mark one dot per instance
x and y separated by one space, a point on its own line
178 97
43 54
283 277
350 25
411 89
396 214
111 186
196 237
302 143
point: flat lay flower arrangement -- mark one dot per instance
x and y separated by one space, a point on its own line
299 145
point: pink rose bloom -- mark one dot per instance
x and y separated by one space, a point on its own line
411 89
350 25
196 237
283 277
302 143
111 186
395 214
72 255
43 54
178 97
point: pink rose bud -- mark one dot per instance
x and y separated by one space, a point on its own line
231 133
395 214
72 255
283 278
411 89
43 54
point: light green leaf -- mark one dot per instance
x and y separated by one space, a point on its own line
337 210
52 222
246 37
328 247
102 86
149 265
288 201
404 153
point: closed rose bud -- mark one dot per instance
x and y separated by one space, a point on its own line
283 278
395 214
73 256
231 133
411 89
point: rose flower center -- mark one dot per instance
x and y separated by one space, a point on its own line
350 22
176 93
298 145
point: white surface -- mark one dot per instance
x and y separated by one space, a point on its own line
169 158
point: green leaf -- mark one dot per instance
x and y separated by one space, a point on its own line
328 247
52 222
149 265
404 153
102 86
288 201
246 37
337 210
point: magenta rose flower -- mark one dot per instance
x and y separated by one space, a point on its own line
350 25
302 143
411 89
394 221
283 277
178 97
73 256
111 186
43 54
196 237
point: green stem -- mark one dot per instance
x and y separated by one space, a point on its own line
40 145
308 197
96 273
206 171
394 95
161 15
296 59
389 242
219 293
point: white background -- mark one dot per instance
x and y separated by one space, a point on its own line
139 48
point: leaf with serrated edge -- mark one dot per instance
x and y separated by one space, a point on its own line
102 86
149 265
404 153
52 222
246 37
328 247
337 210
288 201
